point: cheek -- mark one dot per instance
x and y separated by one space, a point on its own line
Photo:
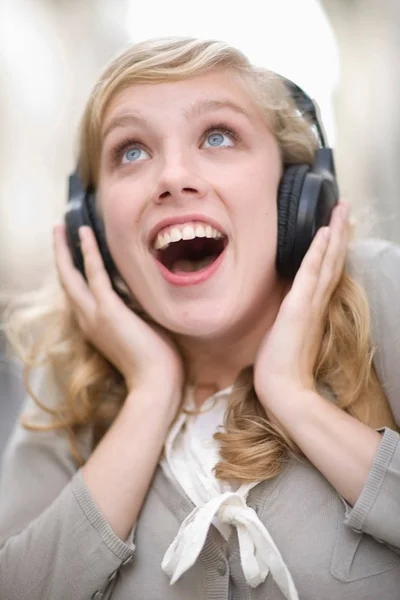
120 209
256 201
121 217
256 220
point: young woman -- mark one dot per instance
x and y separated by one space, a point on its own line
210 421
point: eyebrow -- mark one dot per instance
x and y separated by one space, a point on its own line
124 120
197 109
202 106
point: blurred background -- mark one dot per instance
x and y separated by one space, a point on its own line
344 53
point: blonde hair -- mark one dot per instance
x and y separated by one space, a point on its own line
252 448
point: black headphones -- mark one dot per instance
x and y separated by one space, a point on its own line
306 197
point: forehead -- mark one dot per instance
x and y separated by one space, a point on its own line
189 97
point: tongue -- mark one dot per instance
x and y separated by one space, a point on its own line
189 266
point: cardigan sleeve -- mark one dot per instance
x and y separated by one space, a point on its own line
54 541
377 510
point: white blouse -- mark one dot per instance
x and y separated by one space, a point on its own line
191 454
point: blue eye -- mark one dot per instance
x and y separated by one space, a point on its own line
133 154
216 139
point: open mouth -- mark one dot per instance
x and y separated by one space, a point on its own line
189 256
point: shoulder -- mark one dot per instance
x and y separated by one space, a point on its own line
36 464
41 436
375 265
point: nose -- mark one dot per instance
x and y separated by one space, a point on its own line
179 180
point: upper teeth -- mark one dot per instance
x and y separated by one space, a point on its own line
186 231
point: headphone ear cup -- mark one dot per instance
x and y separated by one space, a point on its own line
97 225
82 211
75 217
289 193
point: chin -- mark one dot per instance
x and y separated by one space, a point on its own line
204 321
201 329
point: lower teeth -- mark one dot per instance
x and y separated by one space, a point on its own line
190 266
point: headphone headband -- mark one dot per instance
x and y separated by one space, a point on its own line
307 108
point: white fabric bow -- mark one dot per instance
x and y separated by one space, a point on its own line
258 552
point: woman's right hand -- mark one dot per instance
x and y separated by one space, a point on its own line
143 354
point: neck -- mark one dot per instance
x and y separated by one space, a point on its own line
216 362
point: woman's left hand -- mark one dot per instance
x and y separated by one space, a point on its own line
286 358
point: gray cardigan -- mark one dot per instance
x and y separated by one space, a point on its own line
56 545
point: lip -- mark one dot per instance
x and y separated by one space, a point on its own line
178 220
188 278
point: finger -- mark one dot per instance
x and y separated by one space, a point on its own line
337 250
70 278
306 280
97 276
335 255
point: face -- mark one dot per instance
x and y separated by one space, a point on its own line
192 159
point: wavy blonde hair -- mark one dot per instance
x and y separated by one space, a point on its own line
46 332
